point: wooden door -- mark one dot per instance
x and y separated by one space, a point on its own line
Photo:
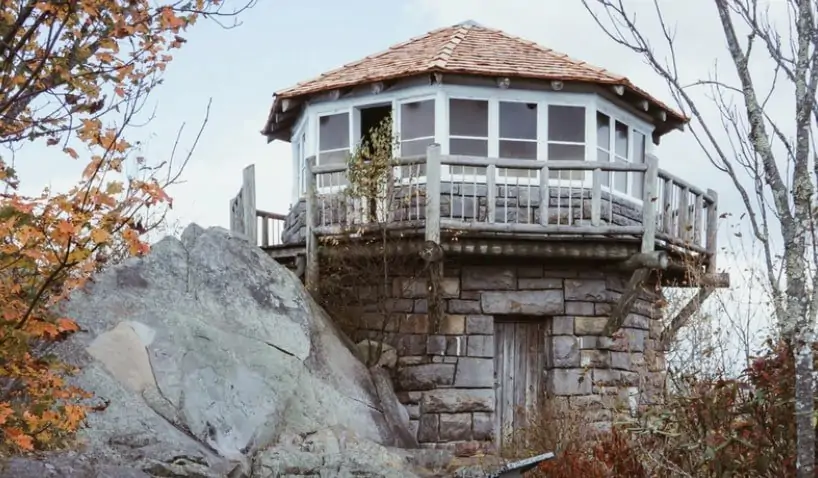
519 369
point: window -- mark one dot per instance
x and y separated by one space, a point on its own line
333 146
301 163
617 142
468 132
518 135
417 127
566 138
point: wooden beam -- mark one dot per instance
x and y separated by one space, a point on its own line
619 90
683 316
503 83
625 302
557 85
378 87
649 260
312 270
643 105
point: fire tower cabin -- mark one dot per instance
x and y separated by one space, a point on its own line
535 227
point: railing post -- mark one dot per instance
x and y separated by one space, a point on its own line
596 198
433 193
544 199
711 239
248 197
312 269
648 208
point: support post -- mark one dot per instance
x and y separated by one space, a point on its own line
248 197
711 238
640 275
433 252
312 269
596 198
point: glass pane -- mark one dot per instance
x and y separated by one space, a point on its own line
417 119
518 149
566 123
415 147
468 147
333 157
621 139
621 180
638 184
604 157
469 118
603 131
638 148
563 152
333 132
518 120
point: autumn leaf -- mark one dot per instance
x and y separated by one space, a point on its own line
100 235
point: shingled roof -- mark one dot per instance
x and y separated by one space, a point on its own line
466 49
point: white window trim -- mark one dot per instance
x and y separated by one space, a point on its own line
398 124
332 188
614 114
443 93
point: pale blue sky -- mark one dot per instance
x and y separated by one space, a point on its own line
280 43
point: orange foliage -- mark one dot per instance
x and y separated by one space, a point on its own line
69 66
711 428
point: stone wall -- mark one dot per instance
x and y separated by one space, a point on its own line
446 380
469 202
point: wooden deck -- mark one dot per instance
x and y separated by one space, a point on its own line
503 207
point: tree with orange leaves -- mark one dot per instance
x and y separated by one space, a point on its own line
74 75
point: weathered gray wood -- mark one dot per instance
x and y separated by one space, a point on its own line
711 238
312 271
248 196
698 205
684 226
572 165
540 229
491 192
596 198
667 207
433 193
683 316
519 361
544 194
677 241
649 260
648 207
681 183
626 300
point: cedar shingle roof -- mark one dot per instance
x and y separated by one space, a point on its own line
466 49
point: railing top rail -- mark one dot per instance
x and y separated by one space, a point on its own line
515 163
271 215
666 176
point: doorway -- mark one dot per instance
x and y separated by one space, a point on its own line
370 120
519 372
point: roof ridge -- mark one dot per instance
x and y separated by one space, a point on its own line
445 52
371 56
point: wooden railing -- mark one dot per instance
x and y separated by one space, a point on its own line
247 220
435 193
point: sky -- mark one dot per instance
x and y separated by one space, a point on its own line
279 43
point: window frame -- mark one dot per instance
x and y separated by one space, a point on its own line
446 173
397 118
634 125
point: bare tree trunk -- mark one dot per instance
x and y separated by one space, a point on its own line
748 156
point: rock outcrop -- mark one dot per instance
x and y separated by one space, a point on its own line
214 361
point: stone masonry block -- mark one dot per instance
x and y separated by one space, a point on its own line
453 324
636 321
480 324
564 351
414 323
480 346
428 428
579 308
595 358
425 376
455 426
539 283
452 400
589 325
569 381
546 302
474 372
459 306
456 346
483 426
585 289
436 345
488 278
562 325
